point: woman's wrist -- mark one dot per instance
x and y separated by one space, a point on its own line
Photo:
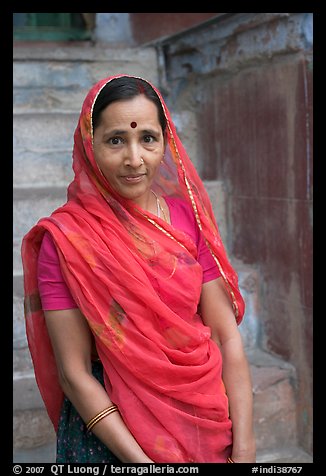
244 452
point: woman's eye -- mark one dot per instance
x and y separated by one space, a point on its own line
149 139
115 140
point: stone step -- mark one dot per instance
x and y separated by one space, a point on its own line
60 74
43 132
274 400
83 52
29 205
34 100
42 66
31 429
289 454
48 168
45 453
24 383
22 363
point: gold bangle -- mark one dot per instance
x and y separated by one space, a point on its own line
99 416
230 460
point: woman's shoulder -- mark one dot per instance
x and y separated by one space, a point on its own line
48 250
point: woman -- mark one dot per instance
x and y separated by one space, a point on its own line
131 303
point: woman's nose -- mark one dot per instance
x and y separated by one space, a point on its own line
133 157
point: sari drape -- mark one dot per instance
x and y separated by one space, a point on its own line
137 282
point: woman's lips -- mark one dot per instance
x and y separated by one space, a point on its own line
135 178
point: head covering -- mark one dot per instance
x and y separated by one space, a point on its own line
136 280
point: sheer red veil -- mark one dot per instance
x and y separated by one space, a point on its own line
136 280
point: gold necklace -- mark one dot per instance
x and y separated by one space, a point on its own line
159 207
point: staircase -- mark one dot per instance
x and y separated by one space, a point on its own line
273 385
49 87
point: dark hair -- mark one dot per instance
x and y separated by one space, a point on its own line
125 88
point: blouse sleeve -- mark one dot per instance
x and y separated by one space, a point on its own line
210 269
54 292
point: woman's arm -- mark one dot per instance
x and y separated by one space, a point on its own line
72 341
217 313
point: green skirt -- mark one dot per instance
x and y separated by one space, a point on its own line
74 443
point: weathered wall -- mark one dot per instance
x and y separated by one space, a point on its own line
149 26
248 80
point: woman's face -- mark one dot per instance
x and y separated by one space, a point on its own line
129 146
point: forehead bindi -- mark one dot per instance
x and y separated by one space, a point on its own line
133 124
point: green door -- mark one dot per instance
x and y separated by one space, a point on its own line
51 26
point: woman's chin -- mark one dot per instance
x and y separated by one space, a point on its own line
136 192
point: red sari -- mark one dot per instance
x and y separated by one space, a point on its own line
136 280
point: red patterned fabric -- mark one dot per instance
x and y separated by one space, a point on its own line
137 281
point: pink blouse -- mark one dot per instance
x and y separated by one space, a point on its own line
54 292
